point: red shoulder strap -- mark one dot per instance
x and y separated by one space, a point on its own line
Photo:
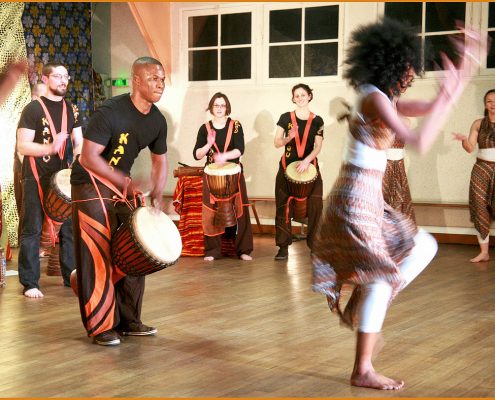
63 127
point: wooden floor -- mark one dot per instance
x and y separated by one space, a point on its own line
255 329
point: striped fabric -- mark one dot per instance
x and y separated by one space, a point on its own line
188 204
481 188
360 238
396 191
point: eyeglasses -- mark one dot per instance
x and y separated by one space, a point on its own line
59 76
219 105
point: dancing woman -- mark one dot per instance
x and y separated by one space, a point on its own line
361 240
481 205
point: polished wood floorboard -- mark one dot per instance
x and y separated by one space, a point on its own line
255 329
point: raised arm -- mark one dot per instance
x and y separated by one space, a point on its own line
27 147
92 160
280 140
469 142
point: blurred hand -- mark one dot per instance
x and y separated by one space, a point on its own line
220 158
459 137
58 141
211 137
10 76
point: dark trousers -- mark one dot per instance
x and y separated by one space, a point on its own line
18 192
283 229
242 232
32 223
104 303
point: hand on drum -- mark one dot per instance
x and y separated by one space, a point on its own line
220 158
303 166
157 201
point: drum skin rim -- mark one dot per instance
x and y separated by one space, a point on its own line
56 189
301 182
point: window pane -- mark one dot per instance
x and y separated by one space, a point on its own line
285 25
408 13
203 31
203 65
236 29
434 45
285 61
443 16
490 60
320 59
236 63
491 15
322 23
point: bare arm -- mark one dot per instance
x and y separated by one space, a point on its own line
469 143
280 140
77 140
27 147
159 173
92 160
228 155
414 108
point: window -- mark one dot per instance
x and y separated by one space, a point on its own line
219 47
303 42
435 24
490 59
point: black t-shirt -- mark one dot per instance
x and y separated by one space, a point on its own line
33 117
316 129
236 142
124 131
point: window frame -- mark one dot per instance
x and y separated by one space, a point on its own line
266 42
470 12
218 10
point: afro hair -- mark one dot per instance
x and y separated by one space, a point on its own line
380 54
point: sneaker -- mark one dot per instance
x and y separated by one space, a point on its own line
136 329
107 338
283 254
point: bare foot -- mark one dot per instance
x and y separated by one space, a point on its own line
33 293
374 380
482 257
209 258
245 257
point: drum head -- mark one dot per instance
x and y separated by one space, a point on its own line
222 169
61 181
157 234
307 176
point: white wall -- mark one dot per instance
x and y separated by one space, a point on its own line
441 176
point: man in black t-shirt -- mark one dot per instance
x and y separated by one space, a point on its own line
110 302
42 135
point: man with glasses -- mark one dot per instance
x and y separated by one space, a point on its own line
45 126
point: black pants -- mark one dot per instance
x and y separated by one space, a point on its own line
283 229
32 224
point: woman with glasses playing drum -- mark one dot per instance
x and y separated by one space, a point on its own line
225 201
298 186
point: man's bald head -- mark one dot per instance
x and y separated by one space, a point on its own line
143 62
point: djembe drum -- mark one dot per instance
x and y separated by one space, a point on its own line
223 182
148 242
300 186
58 207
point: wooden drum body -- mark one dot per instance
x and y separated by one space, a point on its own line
148 242
300 187
57 202
223 182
